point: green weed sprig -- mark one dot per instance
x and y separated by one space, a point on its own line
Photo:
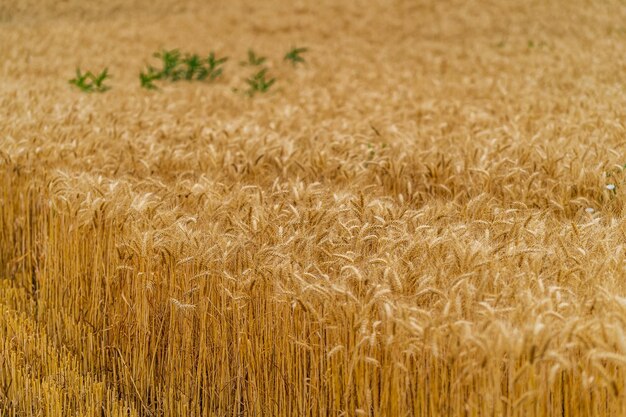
90 83
259 83
295 55
170 64
214 67
253 59
149 77
176 67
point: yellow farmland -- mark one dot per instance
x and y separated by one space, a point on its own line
424 218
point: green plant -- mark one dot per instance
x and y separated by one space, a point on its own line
259 83
294 55
214 68
253 59
175 67
149 77
170 64
89 83
194 66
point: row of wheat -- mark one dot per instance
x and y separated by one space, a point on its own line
137 296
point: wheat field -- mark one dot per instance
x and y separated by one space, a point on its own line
426 218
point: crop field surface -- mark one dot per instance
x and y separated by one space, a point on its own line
419 213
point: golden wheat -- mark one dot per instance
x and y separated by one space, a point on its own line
426 219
